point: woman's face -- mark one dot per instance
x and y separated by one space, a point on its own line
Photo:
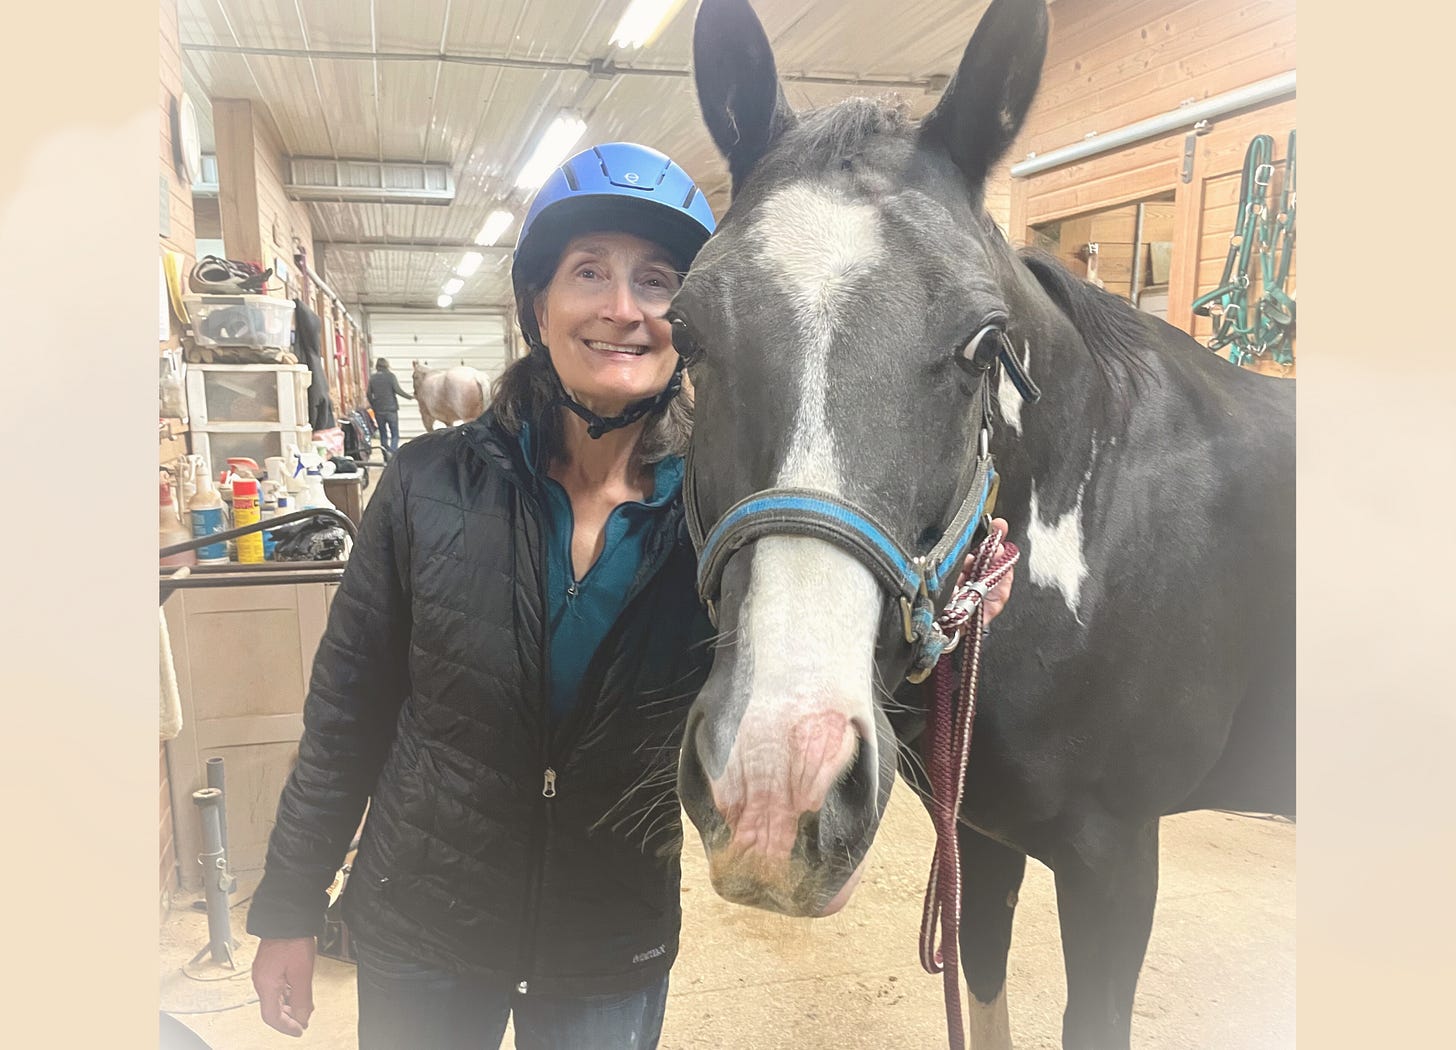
601 318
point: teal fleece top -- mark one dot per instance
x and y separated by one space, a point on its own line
583 611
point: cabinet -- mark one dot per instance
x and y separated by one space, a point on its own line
243 657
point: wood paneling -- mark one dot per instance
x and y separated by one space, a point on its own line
237 179
1111 64
180 236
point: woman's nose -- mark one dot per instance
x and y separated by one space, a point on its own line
620 304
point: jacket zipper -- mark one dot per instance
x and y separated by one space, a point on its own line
548 789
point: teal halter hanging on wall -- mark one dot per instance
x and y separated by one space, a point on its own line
1251 330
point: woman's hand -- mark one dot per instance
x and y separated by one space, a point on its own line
997 596
283 979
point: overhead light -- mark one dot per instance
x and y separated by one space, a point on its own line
495 225
551 151
643 20
453 285
469 263
443 301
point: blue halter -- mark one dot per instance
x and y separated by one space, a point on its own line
917 580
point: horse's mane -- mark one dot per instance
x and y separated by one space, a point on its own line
831 132
1114 331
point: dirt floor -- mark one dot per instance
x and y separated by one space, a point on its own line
1219 973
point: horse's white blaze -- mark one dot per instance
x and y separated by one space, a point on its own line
811 611
807 627
1057 556
990 1024
1008 398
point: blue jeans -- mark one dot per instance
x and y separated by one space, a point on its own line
388 433
405 1006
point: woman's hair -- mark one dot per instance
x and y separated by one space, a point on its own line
527 391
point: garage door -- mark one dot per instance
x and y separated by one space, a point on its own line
437 339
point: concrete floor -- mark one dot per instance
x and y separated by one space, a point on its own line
1219 971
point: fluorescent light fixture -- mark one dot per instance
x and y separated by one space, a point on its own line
469 263
643 20
553 148
443 301
495 225
453 285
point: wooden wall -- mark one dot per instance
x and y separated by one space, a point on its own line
1110 64
281 222
180 236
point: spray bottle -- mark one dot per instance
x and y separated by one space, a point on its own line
170 530
313 472
207 519
271 490
247 512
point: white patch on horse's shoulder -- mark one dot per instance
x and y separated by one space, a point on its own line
1057 559
1008 398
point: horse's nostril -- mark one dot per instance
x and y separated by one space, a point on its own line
859 786
692 778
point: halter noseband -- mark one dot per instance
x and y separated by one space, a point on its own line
915 579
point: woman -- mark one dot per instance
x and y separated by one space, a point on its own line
507 666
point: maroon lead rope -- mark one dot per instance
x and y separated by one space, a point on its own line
948 751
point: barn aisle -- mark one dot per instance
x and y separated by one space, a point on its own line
1219 972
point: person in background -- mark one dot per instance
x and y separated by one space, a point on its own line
384 395
507 668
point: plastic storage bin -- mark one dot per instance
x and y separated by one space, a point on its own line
258 321
271 394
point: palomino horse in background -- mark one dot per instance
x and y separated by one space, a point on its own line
448 395
836 328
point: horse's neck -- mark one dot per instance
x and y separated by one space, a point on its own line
1055 445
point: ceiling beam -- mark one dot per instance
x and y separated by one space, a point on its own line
597 67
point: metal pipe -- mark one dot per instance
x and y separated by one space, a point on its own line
1183 117
1137 254
216 779
217 881
330 293
338 517
596 68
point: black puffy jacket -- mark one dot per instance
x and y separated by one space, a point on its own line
494 842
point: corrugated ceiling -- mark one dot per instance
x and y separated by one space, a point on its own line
482 119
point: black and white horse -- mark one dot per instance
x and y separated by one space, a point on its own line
1144 665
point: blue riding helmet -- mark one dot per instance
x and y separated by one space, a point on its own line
617 186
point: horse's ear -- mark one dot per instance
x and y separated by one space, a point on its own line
742 101
986 101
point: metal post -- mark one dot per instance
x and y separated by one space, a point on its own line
1137 280
217 881
215 780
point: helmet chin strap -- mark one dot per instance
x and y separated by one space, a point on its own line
596 426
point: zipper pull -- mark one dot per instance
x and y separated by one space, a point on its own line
571 589
549 789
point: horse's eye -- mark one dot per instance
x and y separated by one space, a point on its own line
981 350
683 340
